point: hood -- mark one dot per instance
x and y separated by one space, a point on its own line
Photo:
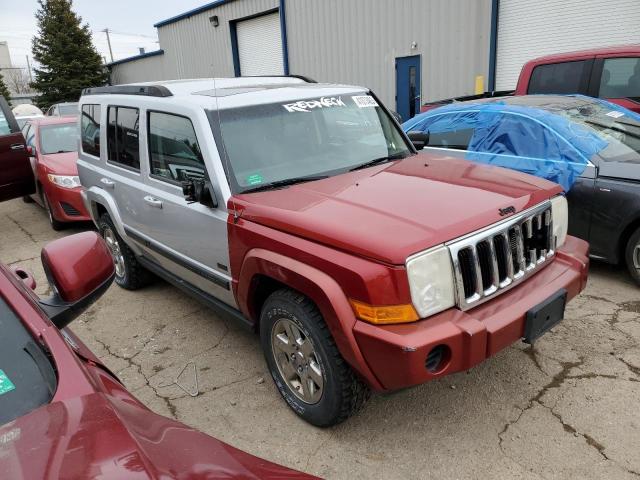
96 436
61 163
391 211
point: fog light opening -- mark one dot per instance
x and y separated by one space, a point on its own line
438 359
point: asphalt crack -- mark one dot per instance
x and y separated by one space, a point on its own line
23 230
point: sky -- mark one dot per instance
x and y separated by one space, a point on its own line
130 20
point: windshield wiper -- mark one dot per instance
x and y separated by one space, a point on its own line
284 183
377 161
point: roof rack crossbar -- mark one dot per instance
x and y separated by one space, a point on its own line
300 77
144 90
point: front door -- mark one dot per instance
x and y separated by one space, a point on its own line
16 175
408 86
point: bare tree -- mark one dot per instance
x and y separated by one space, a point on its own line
17 80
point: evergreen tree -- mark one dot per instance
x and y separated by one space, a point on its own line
68 61
4 91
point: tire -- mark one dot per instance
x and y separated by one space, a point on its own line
632 255
314 357
130 275
55 224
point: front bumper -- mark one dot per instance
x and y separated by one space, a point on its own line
397 354
67 204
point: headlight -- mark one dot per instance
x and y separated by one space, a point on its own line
431 281
560 217
65 181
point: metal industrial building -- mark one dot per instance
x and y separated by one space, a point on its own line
407 51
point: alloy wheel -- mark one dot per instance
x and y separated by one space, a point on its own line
114 247
297 361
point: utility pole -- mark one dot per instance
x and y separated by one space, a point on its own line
29 68
106 30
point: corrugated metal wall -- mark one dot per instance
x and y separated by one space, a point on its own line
141 70
531 28
194 48
357 41
354 41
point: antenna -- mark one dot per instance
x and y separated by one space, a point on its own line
224 149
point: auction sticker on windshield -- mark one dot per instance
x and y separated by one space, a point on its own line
6 385
308 105
254 179
364 101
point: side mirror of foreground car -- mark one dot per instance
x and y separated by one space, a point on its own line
199 190
418 138
79 269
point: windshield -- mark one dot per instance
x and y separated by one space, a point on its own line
68 109
27 376
621 131
58 138
273 143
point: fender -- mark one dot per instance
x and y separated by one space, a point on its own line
94 196
319 287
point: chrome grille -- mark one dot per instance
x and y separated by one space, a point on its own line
497 258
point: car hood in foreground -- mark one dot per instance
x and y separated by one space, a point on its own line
391 211
61 163
96 436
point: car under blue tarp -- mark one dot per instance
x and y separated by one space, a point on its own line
545 142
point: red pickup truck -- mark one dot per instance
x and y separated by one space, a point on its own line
611 73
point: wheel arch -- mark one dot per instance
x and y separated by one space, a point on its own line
264 272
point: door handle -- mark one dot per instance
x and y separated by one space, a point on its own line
153 201
107 183
17 146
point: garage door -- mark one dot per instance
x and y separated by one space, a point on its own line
260 46
531 28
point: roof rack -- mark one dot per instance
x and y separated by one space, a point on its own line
144 90
301 77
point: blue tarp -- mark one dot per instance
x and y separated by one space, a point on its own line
527 139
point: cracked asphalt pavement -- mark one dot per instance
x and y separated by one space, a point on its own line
567 408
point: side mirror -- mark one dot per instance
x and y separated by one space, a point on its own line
418 138
199 190
79 269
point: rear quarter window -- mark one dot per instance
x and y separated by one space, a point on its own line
90 129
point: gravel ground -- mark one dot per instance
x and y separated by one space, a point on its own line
566 409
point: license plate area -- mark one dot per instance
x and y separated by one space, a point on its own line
544 316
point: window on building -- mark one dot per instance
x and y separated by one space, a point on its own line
90 129
174 153
558 78
123 145
620 78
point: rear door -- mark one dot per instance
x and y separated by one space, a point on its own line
617 79
16 175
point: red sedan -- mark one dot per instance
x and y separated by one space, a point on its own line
53 145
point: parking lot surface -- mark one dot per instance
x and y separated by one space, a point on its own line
567 408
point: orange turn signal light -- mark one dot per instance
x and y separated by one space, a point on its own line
384 315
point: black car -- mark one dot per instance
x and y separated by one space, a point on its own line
589 146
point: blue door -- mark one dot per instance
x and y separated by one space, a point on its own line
408 86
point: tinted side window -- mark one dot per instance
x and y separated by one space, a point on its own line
174 152
620 78
90 129
458 139
558 78
122 136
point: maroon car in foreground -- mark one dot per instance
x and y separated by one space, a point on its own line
63 414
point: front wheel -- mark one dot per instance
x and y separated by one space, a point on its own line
55 224
305 363
632 255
